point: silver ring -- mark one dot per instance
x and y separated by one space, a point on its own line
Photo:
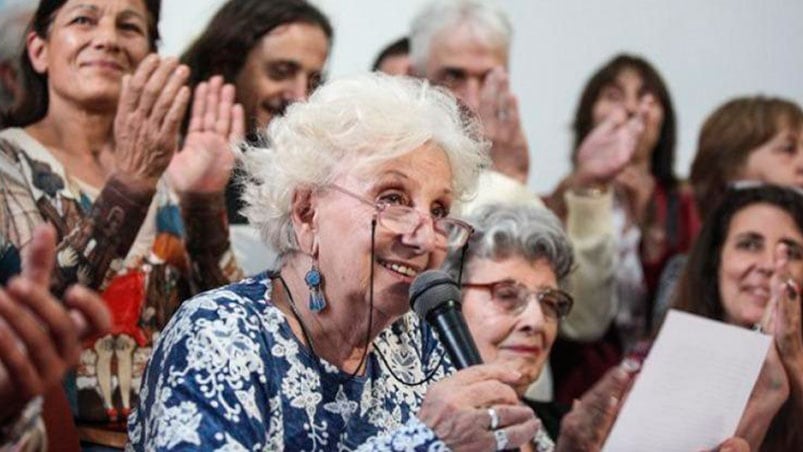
502 115
501 439
494 418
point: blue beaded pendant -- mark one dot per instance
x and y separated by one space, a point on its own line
316 299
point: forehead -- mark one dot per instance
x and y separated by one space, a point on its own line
300 42
106 6
425 166
463 48
628 78
765 219
532 274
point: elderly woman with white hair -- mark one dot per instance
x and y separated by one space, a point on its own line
354 190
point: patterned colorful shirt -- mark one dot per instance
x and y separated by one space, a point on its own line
143 251
228 373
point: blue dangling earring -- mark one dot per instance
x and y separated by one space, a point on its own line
313 278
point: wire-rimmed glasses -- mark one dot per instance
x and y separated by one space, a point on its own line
450 233
512 298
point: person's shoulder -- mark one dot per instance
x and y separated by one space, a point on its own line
251 294
246 302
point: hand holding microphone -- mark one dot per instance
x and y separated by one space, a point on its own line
476 408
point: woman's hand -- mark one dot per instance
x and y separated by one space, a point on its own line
205 163
586 427
456 408
39 336
152 105
607 149
769 393
785 322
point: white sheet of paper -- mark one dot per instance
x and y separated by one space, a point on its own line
692 389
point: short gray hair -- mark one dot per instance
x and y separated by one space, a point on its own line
507 230
490 24
353 124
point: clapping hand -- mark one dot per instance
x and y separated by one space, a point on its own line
499 114
586 427
607 149
152 105
40 337
205 163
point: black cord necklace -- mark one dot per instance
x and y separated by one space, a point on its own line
307 337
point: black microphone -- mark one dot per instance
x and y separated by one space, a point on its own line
435 297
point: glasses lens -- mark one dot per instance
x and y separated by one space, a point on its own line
555 303
403 220
398 219
455 234
507 297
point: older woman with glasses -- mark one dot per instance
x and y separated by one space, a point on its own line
355 191
516 265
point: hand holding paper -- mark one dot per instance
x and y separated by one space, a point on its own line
693 387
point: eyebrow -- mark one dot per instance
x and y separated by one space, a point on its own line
127 12
792 244
394 172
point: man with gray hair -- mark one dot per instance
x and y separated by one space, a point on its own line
13 22
464 45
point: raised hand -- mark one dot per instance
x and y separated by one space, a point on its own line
40 336
785 322
499 115
607 150
586 427
205 163
456 408
152 105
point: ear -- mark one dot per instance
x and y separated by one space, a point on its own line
303 214
37 51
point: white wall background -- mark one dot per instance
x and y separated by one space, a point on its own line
707 50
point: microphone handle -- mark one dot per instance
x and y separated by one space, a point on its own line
451 326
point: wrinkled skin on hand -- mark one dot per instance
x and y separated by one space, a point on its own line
152 105
456 409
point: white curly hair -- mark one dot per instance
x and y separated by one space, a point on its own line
347 126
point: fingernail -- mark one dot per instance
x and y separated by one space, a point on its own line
791 290
630 365
613 401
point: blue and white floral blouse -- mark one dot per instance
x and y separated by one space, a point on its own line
228 373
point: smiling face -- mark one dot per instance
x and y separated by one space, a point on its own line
90 46
420 179
522 341
778 161
747 264
626 92
284 67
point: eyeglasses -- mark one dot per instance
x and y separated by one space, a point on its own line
449 232
512 298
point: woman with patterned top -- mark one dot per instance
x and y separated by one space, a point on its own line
86 152
354 190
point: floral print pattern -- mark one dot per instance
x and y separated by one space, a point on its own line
228 373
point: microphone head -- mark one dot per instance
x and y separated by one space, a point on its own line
430 289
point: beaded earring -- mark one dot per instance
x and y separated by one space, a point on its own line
313 278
